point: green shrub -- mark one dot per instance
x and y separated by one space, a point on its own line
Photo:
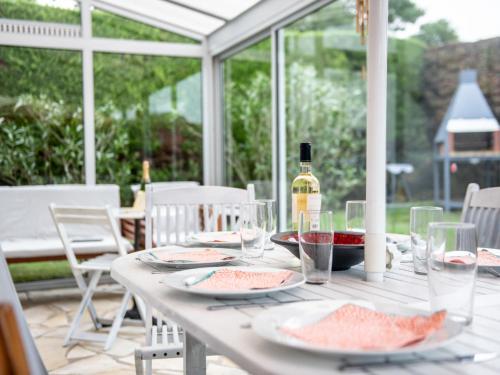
42 143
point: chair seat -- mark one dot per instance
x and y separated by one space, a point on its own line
99 263
47 247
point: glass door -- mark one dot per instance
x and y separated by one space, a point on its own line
321 98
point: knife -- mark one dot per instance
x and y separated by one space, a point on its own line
186 261
469 358
193 280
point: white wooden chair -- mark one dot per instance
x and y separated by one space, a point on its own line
482 208
65 219
172 215
179 213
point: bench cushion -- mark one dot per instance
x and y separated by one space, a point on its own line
48 247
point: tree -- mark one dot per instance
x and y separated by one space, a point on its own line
402 12
437 33
342 14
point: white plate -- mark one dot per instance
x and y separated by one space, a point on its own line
148 258
268 324
177 280
208 238
492 251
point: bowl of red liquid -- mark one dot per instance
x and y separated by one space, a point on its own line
348 247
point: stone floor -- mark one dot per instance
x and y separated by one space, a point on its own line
49 314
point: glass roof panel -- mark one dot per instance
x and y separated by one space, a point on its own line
171 13
226 9
109 25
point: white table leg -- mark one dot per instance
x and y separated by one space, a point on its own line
195 361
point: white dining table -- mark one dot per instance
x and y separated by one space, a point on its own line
224 326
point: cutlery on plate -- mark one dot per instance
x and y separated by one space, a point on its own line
493 272
250 304
156 269
193 280
193 261
153 255
469 358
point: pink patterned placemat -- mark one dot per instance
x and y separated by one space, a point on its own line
227 238
486 258
228 279
352 327
206 255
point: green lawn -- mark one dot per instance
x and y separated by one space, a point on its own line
398 219
23 272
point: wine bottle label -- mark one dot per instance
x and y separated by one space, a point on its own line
314 202
304 202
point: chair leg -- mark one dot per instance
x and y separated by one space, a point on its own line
87 297
149 340
117 322
139 368
90 307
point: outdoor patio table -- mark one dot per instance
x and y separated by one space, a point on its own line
227 331
137 216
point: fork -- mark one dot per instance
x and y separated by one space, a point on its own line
493 272
156 269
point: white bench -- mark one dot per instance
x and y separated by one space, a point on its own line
27 232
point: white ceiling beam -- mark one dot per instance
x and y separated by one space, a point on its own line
103 45
155 22
40 41
146 48
255 20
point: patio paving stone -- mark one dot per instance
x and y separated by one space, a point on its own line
52 352
39 314
96 364
78 352
58 320
49 314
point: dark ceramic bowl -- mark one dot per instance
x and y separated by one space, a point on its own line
348 247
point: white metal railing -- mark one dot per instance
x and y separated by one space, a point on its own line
39 28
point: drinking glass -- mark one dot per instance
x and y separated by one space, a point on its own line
452 267
355 216
316 245
270 222
420 217
253 229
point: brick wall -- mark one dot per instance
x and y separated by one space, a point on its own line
440 75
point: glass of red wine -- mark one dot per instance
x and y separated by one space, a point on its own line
316 245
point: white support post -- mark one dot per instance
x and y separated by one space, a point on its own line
375 241
279 125
88 93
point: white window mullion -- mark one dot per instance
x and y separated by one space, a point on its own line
206 73
279 126
88 93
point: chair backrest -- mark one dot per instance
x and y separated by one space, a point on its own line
25 211
173 214
482 208
8 297
167 185
65 217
